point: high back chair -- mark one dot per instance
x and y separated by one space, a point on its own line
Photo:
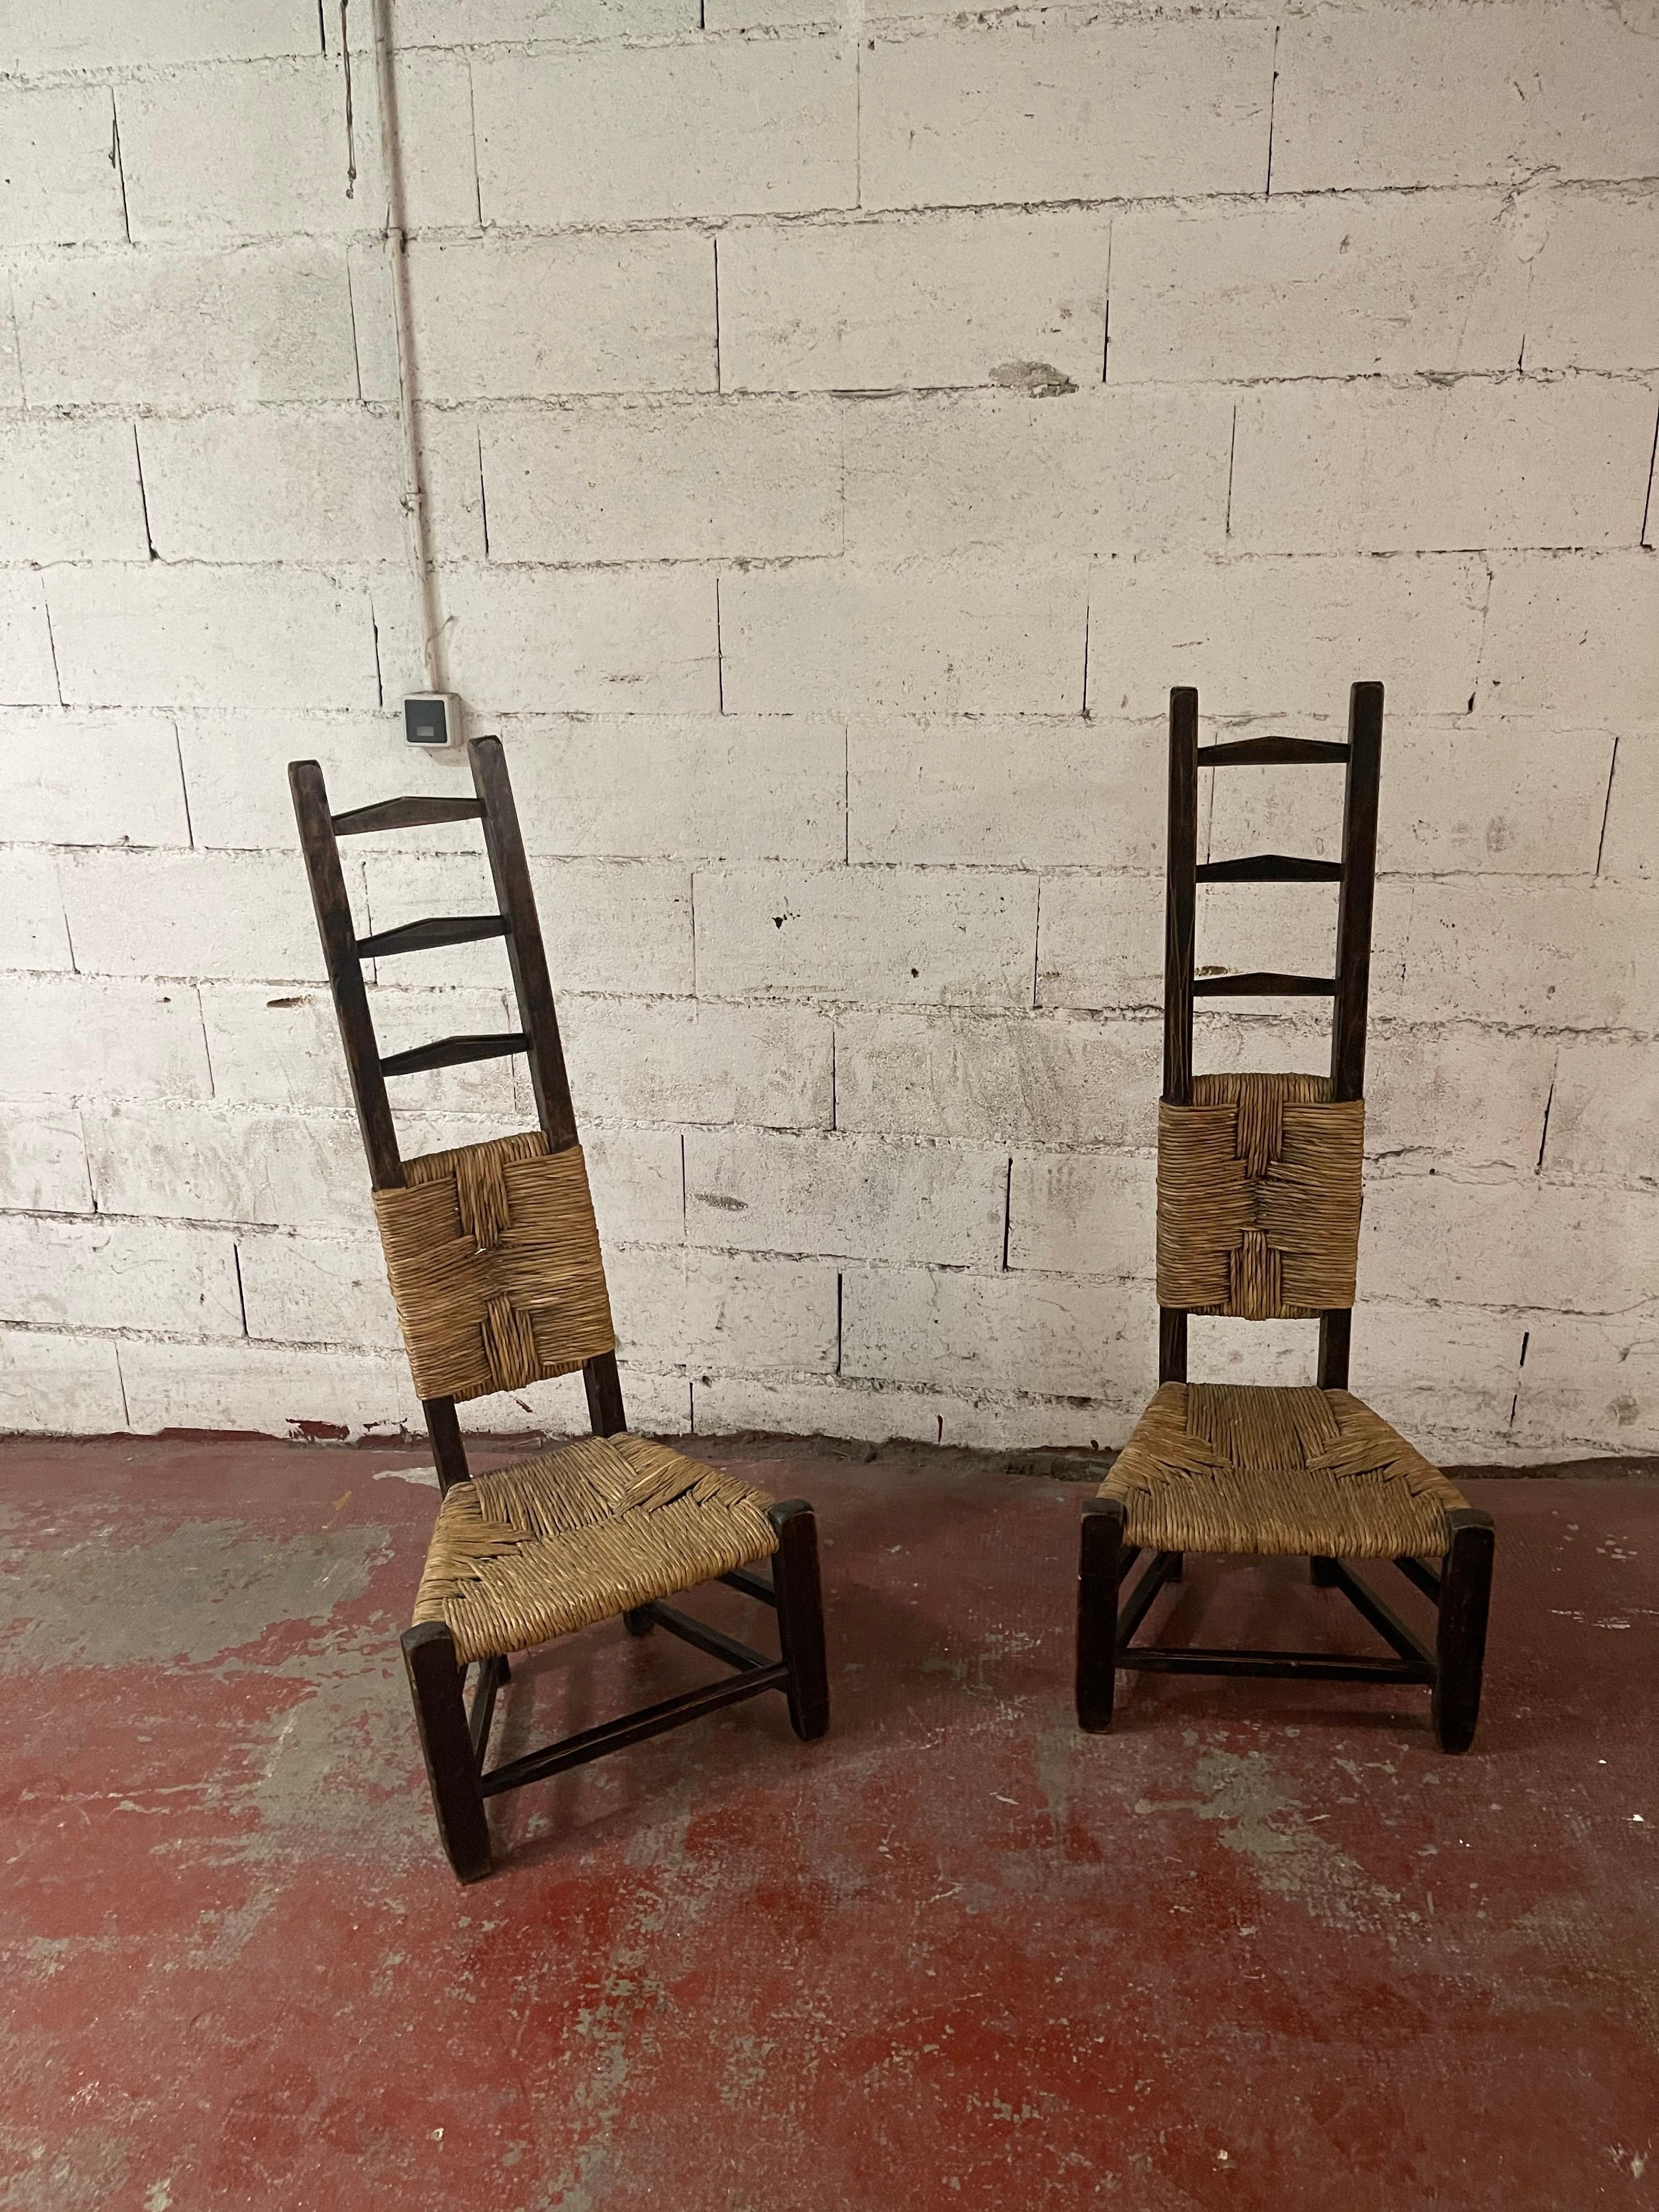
494 1260
1258 1216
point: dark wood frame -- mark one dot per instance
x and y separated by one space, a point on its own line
1107 1621
454 1737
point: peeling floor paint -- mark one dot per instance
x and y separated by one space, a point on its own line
1261 1948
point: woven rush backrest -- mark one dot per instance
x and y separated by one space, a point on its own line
493 1259
1258 1198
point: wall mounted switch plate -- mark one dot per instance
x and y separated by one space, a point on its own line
432 719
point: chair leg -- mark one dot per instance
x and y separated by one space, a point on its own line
434 1682
638 1620
1461 1640
1323 1570
799 1595
1101 1550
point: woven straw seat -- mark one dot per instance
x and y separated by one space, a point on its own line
579 1534
1226 1468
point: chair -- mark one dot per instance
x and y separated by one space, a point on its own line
1258 1216
494 1260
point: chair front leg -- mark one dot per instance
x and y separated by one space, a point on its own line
1101 1552
799 1595
1461 1639
434 1682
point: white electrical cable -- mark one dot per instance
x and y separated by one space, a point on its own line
396 251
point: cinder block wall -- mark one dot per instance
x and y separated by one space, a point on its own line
840 433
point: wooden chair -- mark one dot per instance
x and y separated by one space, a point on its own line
1258 1216
495 1265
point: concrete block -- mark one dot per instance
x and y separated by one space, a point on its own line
1445 1376
159 637
707 479
244 150
1026 1332
59 185
43 1160
1242 927
1104 471
530 318
1276 637
61 1386
452 468
275 487
32 933
1573 634
281 1048
714 1309
1595 297
1026 1079
28 669
1629 849
1604 1112
638 1180
266 1390
621 926
235 768
1468 1093
1018 299
76 779
262 324
986 635
1320 468
1038 110
519 22
1100 942
1317 287
319 1290
434 97
175 1162
591 641
1024 793
238 914
1406 96
1567 955
79 1037
674 1061
1516 798
731 787
1524 1243
1590 1382
853 1198
118 1275
1084 1214
934 935
623 133
109 34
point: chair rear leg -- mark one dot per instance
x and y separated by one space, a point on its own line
640 1621
799 1595
1100 1552
1460 1640
1323 1570
434 1682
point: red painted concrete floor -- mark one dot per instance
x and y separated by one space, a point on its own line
1264 1947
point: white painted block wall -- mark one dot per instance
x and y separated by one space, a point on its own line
841 431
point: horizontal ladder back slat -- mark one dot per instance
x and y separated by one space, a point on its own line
426 936
1264 984
453 1052
1270 868
1269 752
404 814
